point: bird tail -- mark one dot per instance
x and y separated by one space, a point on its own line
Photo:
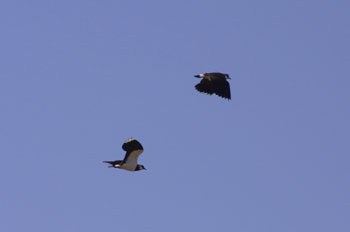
109 162
198 76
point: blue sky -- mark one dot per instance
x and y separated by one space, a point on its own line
78 78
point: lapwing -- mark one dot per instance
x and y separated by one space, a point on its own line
133 149
214 82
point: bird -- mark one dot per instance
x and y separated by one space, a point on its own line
214 82
133 150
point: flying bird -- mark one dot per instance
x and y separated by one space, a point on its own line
133 150
214 82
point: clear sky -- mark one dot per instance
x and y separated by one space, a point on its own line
78 78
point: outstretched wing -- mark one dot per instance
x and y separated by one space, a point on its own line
222 88
205 86
133 150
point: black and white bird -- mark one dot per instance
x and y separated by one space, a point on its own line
214 82
133 150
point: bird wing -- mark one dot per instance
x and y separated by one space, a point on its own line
205 86
133 150
131 157
222 88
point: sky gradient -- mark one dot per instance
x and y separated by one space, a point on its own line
78 78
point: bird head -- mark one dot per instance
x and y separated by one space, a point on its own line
227 76
140 167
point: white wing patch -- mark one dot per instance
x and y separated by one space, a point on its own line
129 140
